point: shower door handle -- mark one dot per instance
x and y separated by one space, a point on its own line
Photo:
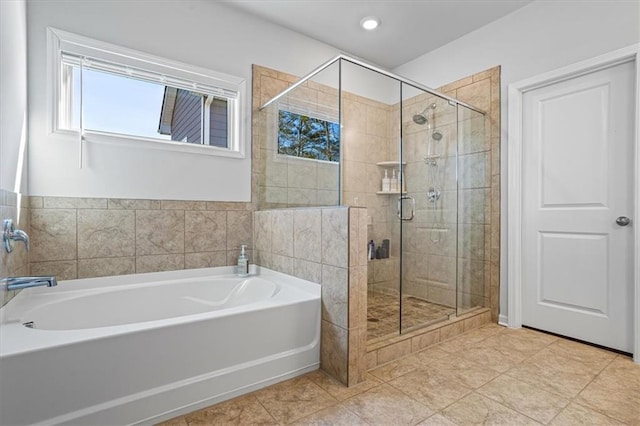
402 212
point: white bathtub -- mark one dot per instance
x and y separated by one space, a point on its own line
145 348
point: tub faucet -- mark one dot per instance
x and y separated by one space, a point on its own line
17 283
10 234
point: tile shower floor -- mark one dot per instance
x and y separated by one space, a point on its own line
491 375
382 314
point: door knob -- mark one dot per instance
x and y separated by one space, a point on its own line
623 221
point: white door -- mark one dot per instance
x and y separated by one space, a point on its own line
577 180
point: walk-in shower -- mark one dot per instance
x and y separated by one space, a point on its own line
350 133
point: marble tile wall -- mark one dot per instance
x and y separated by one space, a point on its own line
281 181
481 90
429 246
92 237
327 246
382 276
14 206
368 140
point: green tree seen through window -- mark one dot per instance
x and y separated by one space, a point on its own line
308 137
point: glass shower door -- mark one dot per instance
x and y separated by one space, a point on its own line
474 192
429 239
370 118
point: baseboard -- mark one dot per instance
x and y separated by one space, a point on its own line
503 320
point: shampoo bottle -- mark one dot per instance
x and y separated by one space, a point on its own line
243 262
386 182
394 182
385 249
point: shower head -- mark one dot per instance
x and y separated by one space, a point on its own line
421 118
436 135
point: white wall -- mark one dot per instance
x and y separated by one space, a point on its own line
13 95
539 37
198 32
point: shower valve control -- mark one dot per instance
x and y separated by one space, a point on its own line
433 194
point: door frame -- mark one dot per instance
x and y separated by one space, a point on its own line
516 92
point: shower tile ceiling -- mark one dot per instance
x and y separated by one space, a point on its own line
410 28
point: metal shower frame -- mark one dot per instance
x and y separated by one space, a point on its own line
372 67
359 62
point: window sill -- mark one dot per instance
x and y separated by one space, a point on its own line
148 143
282 158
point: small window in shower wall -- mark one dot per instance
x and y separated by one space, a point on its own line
303 136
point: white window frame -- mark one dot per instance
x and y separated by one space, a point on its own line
206 119
298 106
59 41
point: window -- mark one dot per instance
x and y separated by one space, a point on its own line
108 92
303 136
194 117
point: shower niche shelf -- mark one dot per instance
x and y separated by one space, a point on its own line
391 165
390 192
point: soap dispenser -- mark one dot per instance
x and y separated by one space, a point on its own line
243 262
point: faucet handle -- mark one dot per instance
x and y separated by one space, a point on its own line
10 234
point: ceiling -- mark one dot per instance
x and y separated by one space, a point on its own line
410 28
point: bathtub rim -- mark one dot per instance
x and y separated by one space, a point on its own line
12 332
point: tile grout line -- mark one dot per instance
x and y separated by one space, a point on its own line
514 408
421 403
307 415
374 387
571 399
590 407
474 390
265 408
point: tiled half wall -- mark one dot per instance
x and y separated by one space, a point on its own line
13 206
92 237
328 246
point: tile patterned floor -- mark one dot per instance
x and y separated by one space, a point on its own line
489 376
382 314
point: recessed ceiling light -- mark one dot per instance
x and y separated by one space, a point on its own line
370 23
